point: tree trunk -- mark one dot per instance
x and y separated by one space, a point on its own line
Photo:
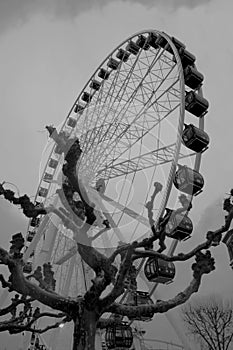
84 331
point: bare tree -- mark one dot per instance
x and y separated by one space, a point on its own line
210 321
86 311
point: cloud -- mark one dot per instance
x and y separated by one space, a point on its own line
14 12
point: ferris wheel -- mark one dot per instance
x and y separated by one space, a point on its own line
139 120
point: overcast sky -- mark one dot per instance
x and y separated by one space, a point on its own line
13 13
48 51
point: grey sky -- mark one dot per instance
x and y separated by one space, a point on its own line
14 12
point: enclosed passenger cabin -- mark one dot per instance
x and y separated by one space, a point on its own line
192 77
119 336
138 298
132 47
27 268
113 64
78 108
95 84
35 222
178 44
103 74
86 96
187 58
142 42
47 177
53 163
152 40
188 180
123 55
71 122
162 42
195 139
43 192
30 236
196 104
179 226
159 270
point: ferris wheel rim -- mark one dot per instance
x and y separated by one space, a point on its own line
180 124
95 72
93 75
181 119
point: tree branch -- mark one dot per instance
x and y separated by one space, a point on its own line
199 331
97 261
13 305
17 325
181 256
4 283
211 321
118 288
20 284
204 264
91 297
149 205
30 209
5 259
118 250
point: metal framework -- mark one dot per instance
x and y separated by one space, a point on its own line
129 118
